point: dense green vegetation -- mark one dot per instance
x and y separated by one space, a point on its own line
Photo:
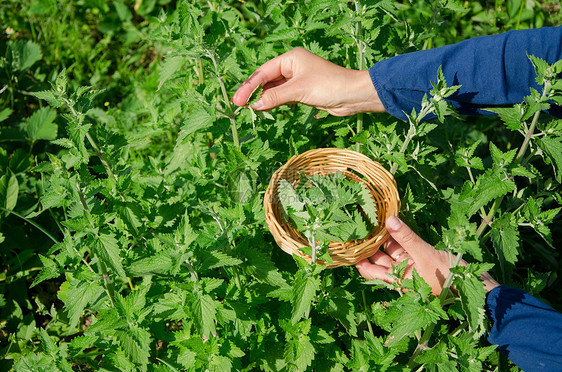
132 231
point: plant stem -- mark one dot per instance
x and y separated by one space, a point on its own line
313 246
366 310
100 155
31 223
226 100
518 158
409 136
361 63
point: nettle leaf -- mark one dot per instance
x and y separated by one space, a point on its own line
80 294
24 54
204 311
169 68
9 189
51 349
197 120
135 341
460 236
407 315
255 95
512 117
40 125
472 294
552 147
299 353
489 186
158 264
304 291
368 205
500 158
259 265
106 247
50 270
505 238
52 97
213 259
288 197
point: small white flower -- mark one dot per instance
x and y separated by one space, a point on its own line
9 31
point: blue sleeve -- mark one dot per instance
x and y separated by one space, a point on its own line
527 330
493 70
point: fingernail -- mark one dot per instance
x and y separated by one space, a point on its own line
258 105
234 96
393 223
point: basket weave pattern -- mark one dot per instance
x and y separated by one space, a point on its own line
353 165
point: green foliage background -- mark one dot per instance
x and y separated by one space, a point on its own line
132 231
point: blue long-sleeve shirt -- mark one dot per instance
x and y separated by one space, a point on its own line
526 329
492 71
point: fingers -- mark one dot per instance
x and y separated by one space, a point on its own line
382 259
278 95
407 239
271 71
372 271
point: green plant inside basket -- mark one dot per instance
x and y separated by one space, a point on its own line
327 208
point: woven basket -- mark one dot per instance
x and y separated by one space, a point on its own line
353 165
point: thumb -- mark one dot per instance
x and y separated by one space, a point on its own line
276 96
408 239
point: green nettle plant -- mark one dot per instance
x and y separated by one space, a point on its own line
131 220
328 208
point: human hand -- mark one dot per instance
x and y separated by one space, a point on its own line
431 264
303 77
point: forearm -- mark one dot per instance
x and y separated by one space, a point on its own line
492 70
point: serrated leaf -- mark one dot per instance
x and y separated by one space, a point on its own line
9 189
552 147
24 54
49 271
79 295
48 344
473 297
156 264
407 316
169 68
50 96
505 238
106 248
299 353
262 268
368 205
490 185
215 259
255 95
204 314
64 142
40 125
512 117
304 290
288 197
197 120
135 341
